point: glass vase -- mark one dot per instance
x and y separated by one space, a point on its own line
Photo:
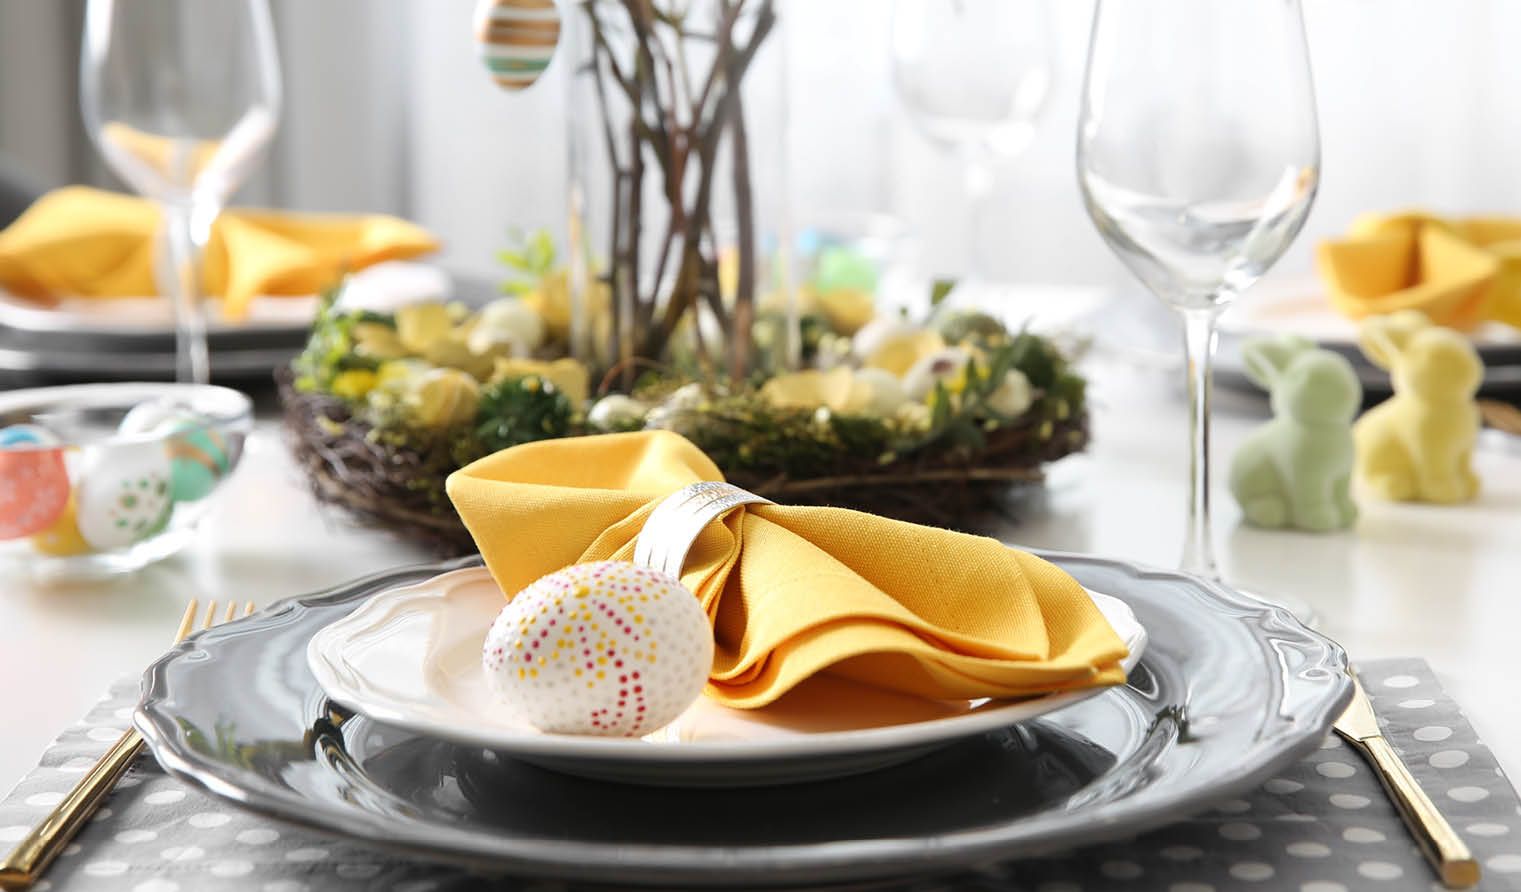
677 228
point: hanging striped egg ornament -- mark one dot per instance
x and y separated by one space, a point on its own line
516 39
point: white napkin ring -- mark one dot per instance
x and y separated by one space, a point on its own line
680 518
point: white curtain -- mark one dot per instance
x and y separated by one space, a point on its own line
389 110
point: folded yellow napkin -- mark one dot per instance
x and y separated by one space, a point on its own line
793 591
87 242
1459 272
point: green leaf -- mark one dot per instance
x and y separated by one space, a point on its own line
515 259
940 290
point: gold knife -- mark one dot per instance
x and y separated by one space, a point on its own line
1441 844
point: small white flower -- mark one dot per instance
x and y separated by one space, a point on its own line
883 391
942 365
1013 395
615 411
687 396
509 324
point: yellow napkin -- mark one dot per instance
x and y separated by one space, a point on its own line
1459 272
793 591
82 241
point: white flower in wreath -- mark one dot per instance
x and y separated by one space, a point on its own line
1013 395
685 397
616 411
506 327
883 391
944 365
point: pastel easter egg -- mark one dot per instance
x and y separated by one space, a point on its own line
123 494
26 435
198 457
62 537
605 648
516 39
34 490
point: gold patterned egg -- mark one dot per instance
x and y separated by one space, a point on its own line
516 39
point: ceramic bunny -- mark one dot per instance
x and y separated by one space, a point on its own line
1418 444
1296 470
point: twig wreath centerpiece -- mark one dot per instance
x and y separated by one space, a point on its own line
675 309
925 420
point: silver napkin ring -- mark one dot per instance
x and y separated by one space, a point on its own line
681 517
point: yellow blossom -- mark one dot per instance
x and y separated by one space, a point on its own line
377 341
419 326
353 384
551 299
443 397
837 390
847 309
901 352
567 375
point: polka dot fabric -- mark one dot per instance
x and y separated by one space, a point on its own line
605 648
1302 831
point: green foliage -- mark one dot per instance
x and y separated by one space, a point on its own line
531 258
329 347
940 290
521 410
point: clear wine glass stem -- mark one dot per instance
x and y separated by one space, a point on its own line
187 228
1199 338
977 180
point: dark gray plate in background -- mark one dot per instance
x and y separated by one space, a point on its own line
1229 690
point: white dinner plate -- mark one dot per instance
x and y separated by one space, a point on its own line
410 657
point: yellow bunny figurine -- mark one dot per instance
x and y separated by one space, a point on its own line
1418 444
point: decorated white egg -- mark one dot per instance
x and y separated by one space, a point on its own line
123 495
34 488
606 648
516 39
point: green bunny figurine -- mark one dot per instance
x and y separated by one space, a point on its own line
1296 470
1418 444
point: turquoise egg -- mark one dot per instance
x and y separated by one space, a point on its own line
198 458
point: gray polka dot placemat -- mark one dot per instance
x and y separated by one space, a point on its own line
1322 826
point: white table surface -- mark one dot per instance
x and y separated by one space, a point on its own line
1442 583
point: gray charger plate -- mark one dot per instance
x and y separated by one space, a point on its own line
1229 690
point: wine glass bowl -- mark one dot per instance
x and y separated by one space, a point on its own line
182 98
973 72
974 77
1198 158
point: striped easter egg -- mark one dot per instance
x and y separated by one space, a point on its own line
516 39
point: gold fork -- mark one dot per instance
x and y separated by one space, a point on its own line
26 863
1438 841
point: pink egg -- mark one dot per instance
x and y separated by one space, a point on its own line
34 490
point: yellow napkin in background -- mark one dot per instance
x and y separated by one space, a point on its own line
1459 272
793 591
92 243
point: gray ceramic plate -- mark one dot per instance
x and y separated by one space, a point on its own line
1229 689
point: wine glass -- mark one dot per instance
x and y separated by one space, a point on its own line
181 97
1198 155
974 76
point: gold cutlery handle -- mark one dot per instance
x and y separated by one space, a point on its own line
37 849
1441 844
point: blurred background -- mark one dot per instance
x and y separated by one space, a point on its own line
388 109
